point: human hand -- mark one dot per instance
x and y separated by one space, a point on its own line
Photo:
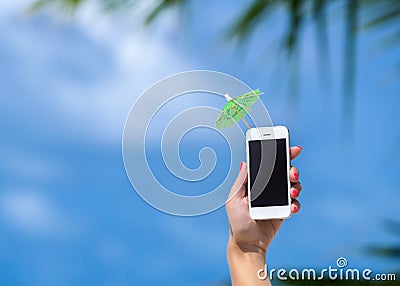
256 235
249 239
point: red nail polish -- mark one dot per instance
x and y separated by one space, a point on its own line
296 176
241 165
301 148
295 208
295 193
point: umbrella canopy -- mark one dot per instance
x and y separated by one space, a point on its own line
236 109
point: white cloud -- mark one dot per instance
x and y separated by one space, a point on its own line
14 6
32 213
27 165
94 109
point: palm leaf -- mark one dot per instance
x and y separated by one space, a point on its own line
250 18
161 7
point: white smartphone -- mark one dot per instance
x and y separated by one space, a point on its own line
268 166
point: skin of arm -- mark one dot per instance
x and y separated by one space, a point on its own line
244 264
249 239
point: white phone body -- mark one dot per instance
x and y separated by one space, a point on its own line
271 202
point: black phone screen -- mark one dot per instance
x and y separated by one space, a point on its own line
268 190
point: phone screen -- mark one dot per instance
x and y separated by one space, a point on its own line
272 192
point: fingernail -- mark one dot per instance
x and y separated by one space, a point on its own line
301 148
295 193
296 176
241 165
295 209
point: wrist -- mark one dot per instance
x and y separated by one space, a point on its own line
246 248
245 262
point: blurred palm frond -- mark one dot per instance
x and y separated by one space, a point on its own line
385 251
162 6
388 251
373 15
70 5
250 18
324 67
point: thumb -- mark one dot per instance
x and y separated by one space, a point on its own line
239 187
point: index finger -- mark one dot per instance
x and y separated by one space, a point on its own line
295 151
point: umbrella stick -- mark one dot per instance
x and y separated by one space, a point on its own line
241 116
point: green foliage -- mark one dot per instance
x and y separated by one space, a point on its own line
161 7
298 13
64 4
72 5
388 251
251 17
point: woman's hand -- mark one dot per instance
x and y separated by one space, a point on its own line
249 239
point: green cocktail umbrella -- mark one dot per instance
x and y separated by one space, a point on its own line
236 109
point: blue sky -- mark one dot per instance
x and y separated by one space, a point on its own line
68 213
